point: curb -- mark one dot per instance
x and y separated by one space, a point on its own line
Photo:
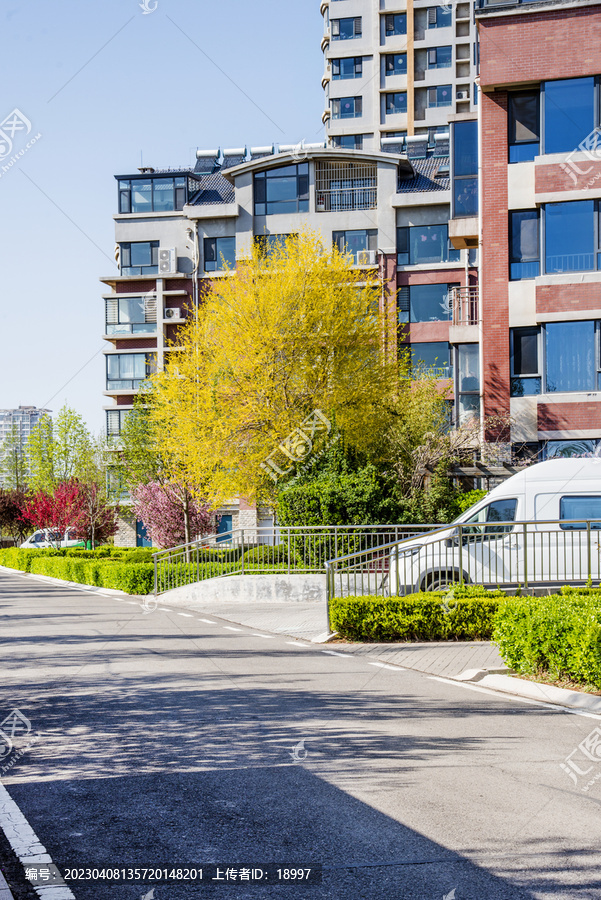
494 680
5 891
90 588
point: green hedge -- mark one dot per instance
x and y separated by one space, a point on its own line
466 615
559 635
133 578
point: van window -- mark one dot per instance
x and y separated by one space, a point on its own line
497 511
580 508
38 537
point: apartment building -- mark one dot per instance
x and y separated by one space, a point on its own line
177 230
540 191
19 423
395 69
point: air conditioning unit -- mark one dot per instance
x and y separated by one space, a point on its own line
366 257
167 261
463 95
171 312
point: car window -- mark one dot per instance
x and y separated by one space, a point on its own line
497 511
38 537
580 508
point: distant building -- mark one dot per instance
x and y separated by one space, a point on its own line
20 422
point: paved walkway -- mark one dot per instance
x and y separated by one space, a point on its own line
307 621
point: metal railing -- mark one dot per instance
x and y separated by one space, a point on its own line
271 550
464 302
495 554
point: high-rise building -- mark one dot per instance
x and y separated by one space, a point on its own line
395 69
19 423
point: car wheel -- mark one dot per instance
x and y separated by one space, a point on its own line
442 581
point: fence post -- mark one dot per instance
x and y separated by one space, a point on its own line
525 532
329 573
588 551
242 557
154 557
335 541
289 550
460 539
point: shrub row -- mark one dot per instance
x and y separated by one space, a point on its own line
126 572
465 615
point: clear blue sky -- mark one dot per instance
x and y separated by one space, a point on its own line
102 82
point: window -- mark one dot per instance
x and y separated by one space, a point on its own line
141 258
587 508
126 371
423 244
468 382
570 449
362 244
348 141
430 302
498 511
570 356
524 352
283 190
131 315
114 421
396 103
352 67
523 126
440 57
465 169
434 356
345 186
345 29
570 236
441 95
396 23
140 195
347 108
396 64
524 254
440 16
219 253
267 243
569 113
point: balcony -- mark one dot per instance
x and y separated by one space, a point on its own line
465 305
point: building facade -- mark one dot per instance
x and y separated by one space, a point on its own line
16 425
395 69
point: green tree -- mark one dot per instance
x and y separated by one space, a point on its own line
13 467
60 450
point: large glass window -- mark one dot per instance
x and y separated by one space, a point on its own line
140 258
131 315
362 244
352 67
430 302
423 244
580 508
396 103
126 371
525 370
140 195
440 16
219 253
347 108
267 243
434 356
345 29
465 169
441 95
468 382
569 113
348 141
524 125
396 23
570 236
524 253
115 419
570 356
440 57
396 64
283 190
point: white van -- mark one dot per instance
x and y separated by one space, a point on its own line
541 526
47 538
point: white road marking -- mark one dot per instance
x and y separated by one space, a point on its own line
231 628
187 615
26 843
297 644
269 637
165 608
501 695
386 666
208 621
334 653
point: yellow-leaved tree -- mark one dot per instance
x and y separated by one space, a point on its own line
291 340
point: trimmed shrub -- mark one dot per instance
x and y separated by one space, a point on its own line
133 578
559 635
466 614
269 555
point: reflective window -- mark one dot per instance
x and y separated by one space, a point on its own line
352 67
126 371
115 419
282 190
524 125
498 511
140 195
267 243
345 29
468 382
433 356
423 244
131 315
396 103
430 302
569 113
465 169
347 108
524 253
219 253
570 356
580 508
396 64
570 236
348 141
441 95
569 449
362 244
396 23
440 57
525 372
440 16
140 258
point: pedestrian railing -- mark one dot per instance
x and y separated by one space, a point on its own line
271 550
500 554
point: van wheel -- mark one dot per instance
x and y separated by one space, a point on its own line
441 581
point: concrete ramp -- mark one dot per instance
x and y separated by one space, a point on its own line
280 588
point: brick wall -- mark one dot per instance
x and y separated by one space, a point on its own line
529 47
495 262
126 530
555 298
575 176
136 344
565 416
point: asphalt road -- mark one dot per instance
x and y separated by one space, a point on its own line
164 740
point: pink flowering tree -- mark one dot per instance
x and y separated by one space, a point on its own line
171 515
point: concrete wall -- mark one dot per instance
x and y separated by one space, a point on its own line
251 589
